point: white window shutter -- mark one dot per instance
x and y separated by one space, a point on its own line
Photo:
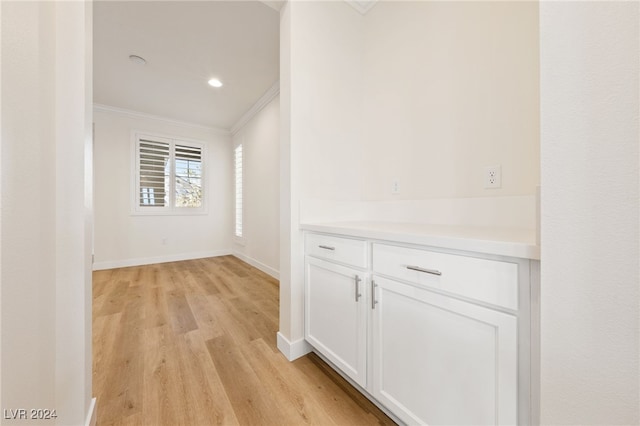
238 181
153 173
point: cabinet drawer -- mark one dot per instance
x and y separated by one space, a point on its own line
343 250
490 281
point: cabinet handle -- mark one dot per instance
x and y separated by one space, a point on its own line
426 271
374 302
358 279
327 247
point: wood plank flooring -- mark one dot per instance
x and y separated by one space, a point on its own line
194 343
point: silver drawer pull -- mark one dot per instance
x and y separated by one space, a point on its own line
426 271
327 247
374 302
358 294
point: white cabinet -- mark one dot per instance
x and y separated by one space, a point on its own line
438 360
443 336
336 311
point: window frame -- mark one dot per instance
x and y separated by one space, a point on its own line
171 209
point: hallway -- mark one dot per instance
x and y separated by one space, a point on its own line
193 343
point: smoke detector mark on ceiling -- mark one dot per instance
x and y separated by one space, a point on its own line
139 60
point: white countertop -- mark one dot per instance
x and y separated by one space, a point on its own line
498 241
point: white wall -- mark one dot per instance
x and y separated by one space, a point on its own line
74 211
46 216
288 292
123 239
326 100
28 199
321 107
1 206
590 212
449 88
260 139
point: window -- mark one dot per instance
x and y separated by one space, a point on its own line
238 173
169 176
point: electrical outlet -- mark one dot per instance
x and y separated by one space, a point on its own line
395 186
164 241
493 177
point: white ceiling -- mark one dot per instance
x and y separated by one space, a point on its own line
185 44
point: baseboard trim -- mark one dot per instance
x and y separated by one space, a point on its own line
257 264
292 350
92 416
124 263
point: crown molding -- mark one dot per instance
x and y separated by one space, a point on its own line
136 114
275 4
257 107
362 6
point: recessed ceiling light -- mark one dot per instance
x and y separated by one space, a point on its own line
215 82
137 59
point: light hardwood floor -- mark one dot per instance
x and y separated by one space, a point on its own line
194 343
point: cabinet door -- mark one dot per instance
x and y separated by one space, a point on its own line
335 319
439 360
